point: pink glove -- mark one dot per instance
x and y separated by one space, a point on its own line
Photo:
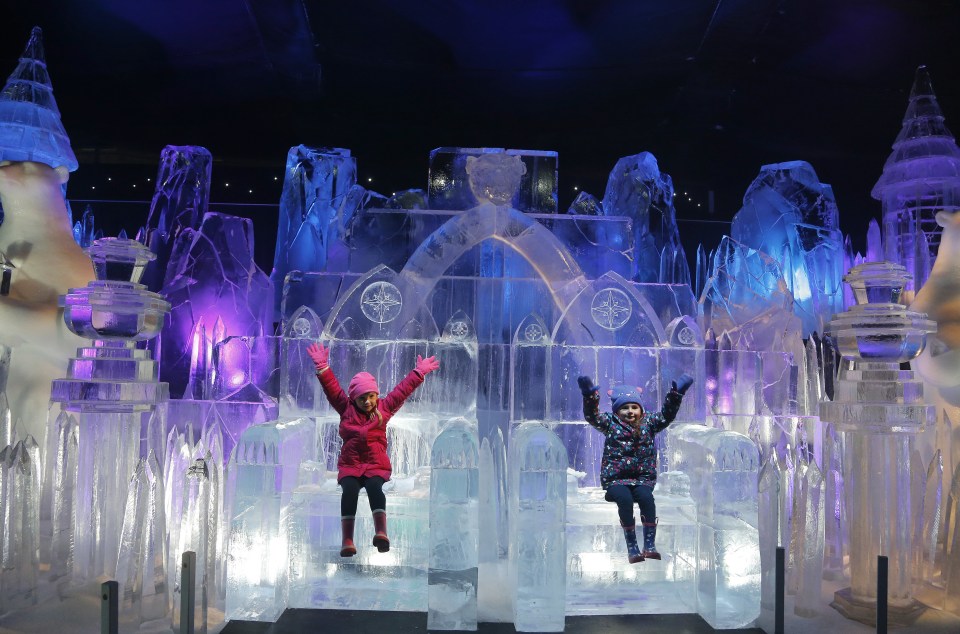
319 355
426 366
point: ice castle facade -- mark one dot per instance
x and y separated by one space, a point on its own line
189 418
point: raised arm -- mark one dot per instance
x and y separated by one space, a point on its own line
328 381
591 403
672 402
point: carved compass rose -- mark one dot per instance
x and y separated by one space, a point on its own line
610 308
381 302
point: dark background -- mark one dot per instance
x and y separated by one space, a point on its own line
713 88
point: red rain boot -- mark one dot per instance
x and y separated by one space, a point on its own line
347 549
380 539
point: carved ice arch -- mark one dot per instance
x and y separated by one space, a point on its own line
551 260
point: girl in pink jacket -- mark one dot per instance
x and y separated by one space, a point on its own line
363 428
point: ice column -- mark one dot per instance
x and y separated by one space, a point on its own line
769 528
810 556
454 528
112 388
538 545
143 546
20 482
880 410
198 533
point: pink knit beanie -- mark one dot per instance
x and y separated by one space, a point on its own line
362 383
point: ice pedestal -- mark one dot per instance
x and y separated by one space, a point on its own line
723 469
267 467
111 388
318 577
454 528
600 580
880 409
538 553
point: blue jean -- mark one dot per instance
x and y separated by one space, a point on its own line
625 495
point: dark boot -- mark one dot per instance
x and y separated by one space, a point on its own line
649 535
380 539
633 550
347 549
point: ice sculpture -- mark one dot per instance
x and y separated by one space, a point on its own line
538 505
30 127
212 275
792 217
638 189
880 409
111 387
723 467
450 183
454 528
19 503
142 559
179 202
747 298
920 178
315 186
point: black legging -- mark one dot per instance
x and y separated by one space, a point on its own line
625 496
351 489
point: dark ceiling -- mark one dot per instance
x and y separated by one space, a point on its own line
713 88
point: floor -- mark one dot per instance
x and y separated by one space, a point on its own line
296 621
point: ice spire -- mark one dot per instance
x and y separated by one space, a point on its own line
30 126
920 178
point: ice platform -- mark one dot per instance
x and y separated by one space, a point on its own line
296 621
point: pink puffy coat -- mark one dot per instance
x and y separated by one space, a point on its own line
364 451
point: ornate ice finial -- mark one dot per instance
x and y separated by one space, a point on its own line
115 306
30 127
878 327
495 177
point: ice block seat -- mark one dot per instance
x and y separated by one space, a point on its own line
318 577
599 578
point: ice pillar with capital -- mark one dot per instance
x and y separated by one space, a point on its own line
880 409
111 388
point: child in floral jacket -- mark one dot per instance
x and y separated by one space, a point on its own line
628 470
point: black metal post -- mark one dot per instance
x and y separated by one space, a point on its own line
882 594
188 591
779 590
109 608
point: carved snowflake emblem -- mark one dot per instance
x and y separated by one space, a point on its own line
685 336
381 302
533 332
300 328
610 308
459 330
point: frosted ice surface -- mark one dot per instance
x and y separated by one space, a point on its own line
538 491
454 528
316 183
215 277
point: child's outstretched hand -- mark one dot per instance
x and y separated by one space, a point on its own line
586 385
683 383
319 355
426 366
